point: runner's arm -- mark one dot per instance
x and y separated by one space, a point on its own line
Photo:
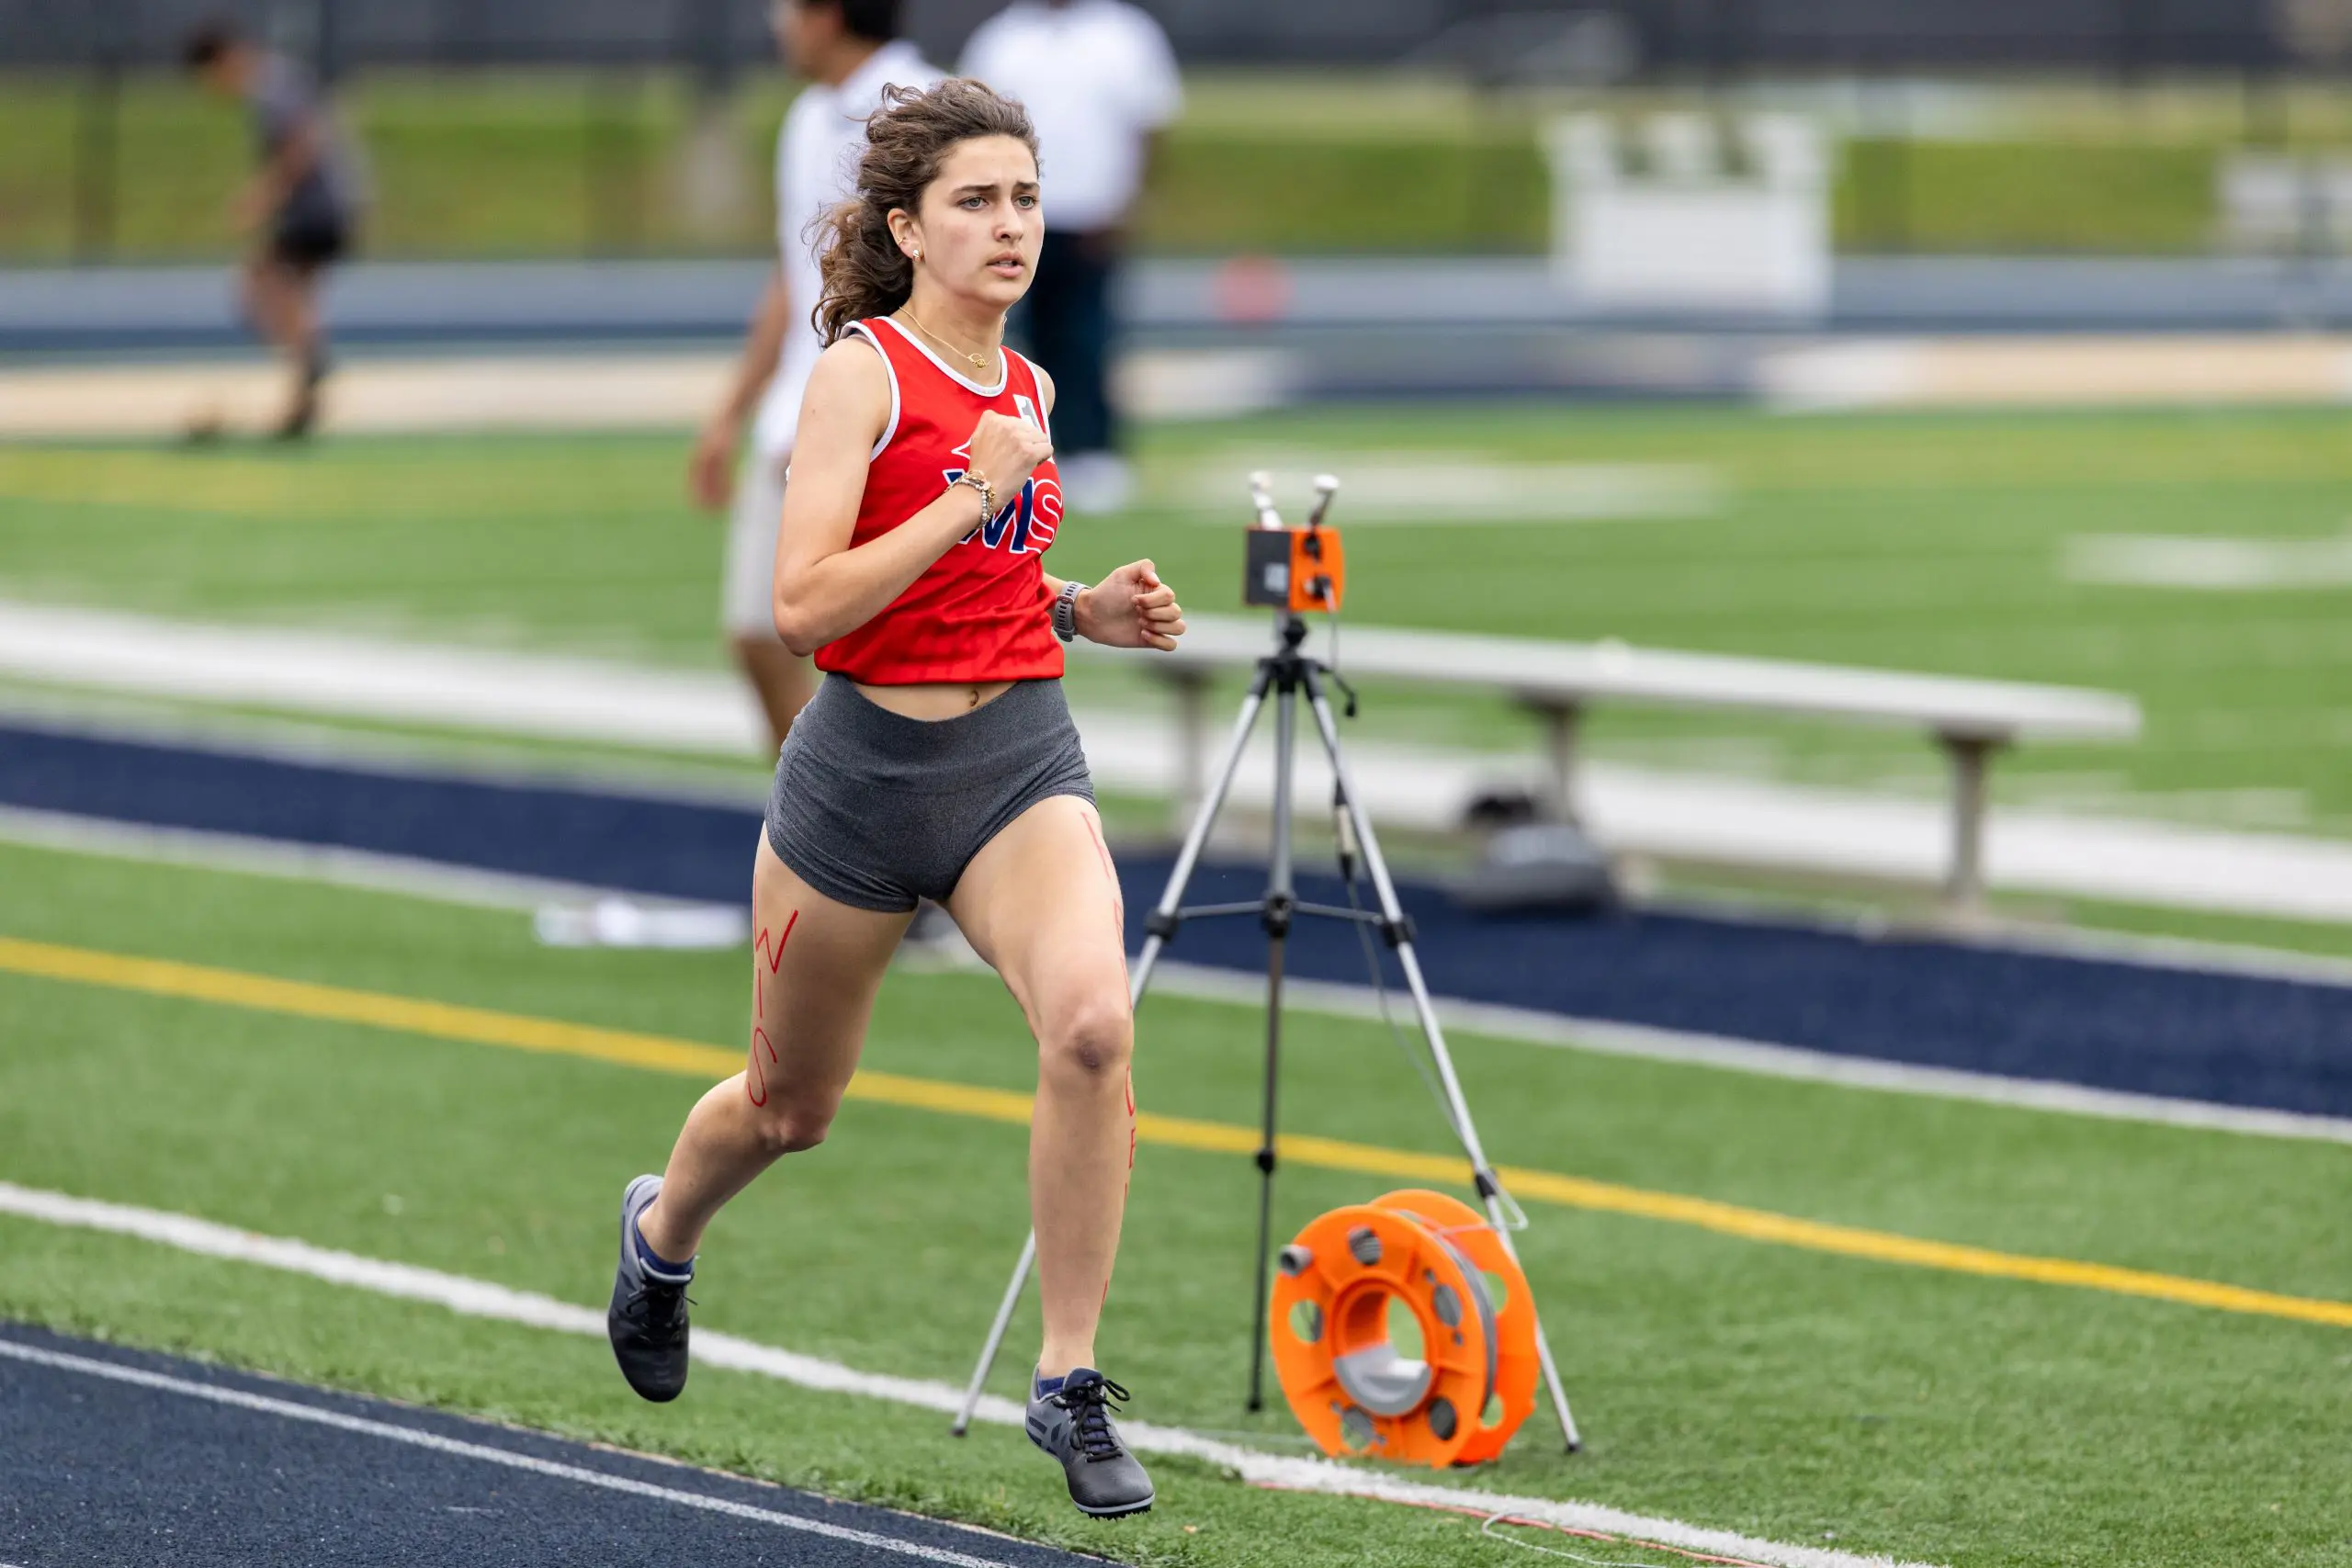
824 587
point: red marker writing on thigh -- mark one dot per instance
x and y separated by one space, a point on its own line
755 1082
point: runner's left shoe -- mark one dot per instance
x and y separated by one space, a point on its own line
1073 1424
647 1322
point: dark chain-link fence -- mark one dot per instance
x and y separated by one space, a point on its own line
2120 37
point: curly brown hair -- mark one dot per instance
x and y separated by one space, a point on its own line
907 138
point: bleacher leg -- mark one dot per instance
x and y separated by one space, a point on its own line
1964 879
1560 726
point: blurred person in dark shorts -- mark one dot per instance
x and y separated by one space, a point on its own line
1100 83
301 208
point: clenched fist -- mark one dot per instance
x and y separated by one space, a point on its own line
1006 451
1131 608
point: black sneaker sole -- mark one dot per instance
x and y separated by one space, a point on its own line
1128 1512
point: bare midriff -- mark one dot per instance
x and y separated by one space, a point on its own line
934 700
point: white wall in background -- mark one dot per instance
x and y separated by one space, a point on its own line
1688 220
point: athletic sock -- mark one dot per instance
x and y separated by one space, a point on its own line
1046 1387
659 1268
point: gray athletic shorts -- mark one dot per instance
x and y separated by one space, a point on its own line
879 810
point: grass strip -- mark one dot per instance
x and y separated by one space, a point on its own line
483 1026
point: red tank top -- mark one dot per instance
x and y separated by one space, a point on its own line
980 612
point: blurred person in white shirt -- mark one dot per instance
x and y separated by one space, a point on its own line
1100 83
849 50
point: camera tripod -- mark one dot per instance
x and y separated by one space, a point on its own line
1285 673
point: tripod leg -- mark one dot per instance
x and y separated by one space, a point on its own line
1266 1178
1457 1107
1552 1383
996 1336
1163 920
1280 900
1162 923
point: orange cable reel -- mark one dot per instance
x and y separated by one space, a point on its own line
1342 1283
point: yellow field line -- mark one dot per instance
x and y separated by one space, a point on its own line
481 1026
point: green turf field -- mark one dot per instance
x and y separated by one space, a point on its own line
1935 544
1771 1389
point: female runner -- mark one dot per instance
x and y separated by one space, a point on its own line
937 760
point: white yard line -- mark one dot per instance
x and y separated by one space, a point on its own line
1677 817
478 1298
293 1410
2211 564
1445 488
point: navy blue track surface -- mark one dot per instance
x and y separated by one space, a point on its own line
664 847
104 1471
2228 1038
2190 1034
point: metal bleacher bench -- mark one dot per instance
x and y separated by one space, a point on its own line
1970 720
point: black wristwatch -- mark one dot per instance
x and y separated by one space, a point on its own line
1066 611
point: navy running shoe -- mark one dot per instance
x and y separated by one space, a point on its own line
647 1322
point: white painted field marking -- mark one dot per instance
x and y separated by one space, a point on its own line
2209 564
293 1411
479 1298
1439 488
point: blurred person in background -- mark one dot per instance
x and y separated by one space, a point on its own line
849 50
1100 83
301 205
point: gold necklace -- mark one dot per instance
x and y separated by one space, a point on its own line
980 361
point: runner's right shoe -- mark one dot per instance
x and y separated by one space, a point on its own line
1071 1421
647 1322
